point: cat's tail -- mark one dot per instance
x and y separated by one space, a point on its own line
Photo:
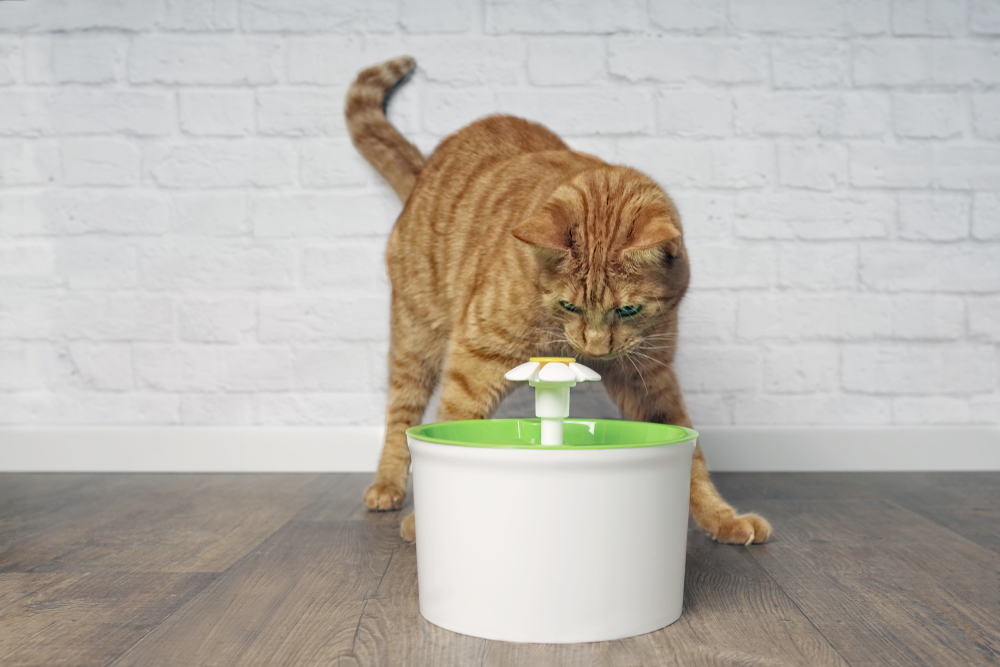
379 142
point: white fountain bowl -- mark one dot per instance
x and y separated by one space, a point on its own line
526 543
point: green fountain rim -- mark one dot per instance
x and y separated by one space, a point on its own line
672 434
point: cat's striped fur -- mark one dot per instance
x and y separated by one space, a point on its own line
503 226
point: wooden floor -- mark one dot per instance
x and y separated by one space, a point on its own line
116 569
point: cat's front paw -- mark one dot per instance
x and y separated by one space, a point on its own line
384 497
408 531
744 529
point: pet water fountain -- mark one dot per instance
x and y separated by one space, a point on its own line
551 529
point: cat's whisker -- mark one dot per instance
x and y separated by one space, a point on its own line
639 373
646 356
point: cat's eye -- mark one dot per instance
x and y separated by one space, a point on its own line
570 307
627 311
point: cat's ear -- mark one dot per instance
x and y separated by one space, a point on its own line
655 231
549 228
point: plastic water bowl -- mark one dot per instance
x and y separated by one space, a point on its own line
579 542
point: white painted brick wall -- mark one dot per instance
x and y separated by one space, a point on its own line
188 236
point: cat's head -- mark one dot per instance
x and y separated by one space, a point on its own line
613 263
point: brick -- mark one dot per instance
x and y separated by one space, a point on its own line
102 366
221 164
82 212
99 161
732 266
208 214
928 115
321 215
334 409
695 113
344 16
293 320
571 16
201 15
85 316
461 61
30 366
810 17
878 166
931 410
28 264
986 216
931 267
812 165
714 368
221 263
706 216
801 369
984 17
88 407
566 61
325 59
821 266
10 61
784 113
217 320
200 60
213 368
685 59
226 409
620 111
919 369
604 148
930 18
709 409
797 316
707 317
810 409
296 113
984 317
807 215
448 16
349 265
688 16
813 63
967 167
30 162
934 216
86 58
984 409
445 111
986 115
85 263
326 163
217 112
920 62
331 368
80 111
927 317
65 15
700 164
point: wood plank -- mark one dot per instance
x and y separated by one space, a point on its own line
967 503
295 600
186 523
885 585
342 502
86 619
739 487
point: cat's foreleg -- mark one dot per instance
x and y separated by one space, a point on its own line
656 397
415 358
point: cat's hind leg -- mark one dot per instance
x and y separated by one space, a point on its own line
416 352
656 397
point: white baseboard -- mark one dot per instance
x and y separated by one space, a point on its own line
356 448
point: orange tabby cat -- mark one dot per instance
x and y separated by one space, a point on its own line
511 245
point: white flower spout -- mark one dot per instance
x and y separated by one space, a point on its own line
552 378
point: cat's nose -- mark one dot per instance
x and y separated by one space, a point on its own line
596 344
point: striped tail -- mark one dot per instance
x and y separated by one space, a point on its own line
377 140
